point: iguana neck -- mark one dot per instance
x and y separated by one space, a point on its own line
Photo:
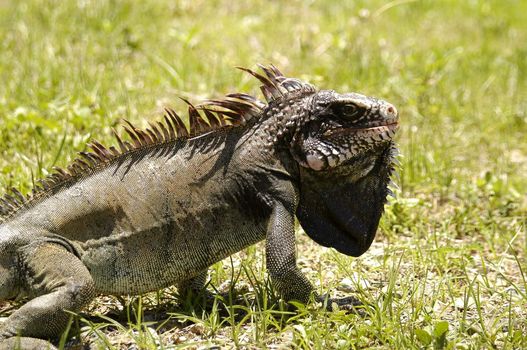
279 124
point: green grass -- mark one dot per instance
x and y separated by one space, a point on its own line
448 269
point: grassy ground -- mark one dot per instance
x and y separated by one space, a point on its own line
448 268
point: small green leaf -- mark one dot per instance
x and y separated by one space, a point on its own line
440 329
423 336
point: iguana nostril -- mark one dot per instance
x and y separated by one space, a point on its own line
391 110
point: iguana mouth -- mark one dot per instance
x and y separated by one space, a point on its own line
377 129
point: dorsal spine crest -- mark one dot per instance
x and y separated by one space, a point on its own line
235 109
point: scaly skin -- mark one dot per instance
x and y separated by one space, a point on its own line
162 211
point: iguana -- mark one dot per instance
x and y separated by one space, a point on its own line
170 202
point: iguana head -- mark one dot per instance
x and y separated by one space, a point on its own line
343 144
345 151
342 127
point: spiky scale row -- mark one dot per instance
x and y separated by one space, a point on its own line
233 110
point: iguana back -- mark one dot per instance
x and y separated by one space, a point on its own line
158 215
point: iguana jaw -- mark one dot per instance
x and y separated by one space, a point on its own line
342 144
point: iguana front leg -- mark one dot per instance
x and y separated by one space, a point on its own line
280 249
281 262
58 281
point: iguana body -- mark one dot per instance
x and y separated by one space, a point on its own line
166 206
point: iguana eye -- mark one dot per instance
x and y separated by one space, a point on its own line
349 110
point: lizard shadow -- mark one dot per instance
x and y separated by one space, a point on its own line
169 307
173 311
173 315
